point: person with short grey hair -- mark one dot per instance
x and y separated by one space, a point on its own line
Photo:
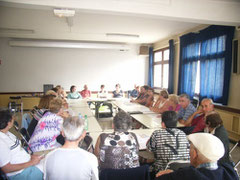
122 122
77 163
187 109
118 150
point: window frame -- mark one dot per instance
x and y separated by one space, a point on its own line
162 62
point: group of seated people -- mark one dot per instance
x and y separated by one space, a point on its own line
207 146
85 93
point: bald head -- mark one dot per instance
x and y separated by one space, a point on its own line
207 105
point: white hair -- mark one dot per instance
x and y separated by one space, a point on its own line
73 128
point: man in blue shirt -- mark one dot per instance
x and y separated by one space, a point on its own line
187 109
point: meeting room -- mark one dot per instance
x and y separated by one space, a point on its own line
117 89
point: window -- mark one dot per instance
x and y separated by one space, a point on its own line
160 68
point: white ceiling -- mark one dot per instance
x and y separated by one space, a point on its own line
152 20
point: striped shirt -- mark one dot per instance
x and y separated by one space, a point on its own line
167 145
186 113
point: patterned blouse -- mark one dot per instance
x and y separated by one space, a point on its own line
46 132
118 150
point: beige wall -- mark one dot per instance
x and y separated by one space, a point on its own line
234 95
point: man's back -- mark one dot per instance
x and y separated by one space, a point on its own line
225 172
167 145
70 164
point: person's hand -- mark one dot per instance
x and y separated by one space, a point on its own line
160 173
199 111
35 159
181 121
64 114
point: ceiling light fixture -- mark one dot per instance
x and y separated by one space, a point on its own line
17 31
122 35
68 44
64 12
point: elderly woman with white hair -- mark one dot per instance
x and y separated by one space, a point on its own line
70 161
118 150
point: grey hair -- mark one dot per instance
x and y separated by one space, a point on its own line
208 99
122 122
72 128
185 95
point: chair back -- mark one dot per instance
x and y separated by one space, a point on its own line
175 165
195 102
3 175
23 133
139 173
87 143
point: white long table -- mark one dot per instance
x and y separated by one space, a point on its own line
130 107
151 121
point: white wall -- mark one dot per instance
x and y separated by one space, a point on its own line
27 69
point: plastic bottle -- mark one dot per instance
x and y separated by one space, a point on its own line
85 122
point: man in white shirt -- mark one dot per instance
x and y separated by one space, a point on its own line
70 161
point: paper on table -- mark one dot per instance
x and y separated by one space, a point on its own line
142 140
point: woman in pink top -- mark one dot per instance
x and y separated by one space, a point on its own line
173 103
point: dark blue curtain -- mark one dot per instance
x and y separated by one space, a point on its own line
189 55
171 67
215 62
150 71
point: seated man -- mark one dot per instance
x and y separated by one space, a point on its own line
197 120
187 109
143 96
85 93
70 161
15 162
134 93
205 151
168 143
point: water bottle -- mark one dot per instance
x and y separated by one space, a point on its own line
80 116
86 123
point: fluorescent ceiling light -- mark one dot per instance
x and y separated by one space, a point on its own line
122 35
63 44
64 12
17 31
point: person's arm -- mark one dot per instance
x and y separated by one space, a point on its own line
167 171
97 148
188 122
35 159
164 108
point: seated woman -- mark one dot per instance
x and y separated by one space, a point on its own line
43 107
102 93
150 99
118 150
173 103
161 104
85 92
118 93
14 160
143 96
214 125
73 93
48 128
